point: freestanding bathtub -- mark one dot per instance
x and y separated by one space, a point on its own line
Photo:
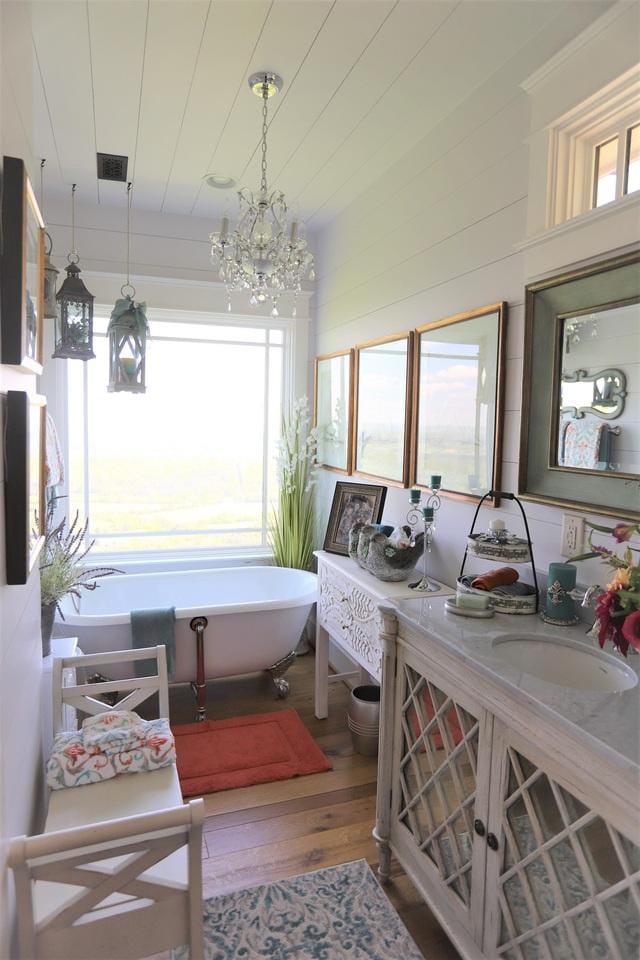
250 618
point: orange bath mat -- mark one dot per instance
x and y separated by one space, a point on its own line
223 754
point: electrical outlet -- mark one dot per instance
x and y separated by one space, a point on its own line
572 537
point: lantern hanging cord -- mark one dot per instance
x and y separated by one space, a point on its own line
42 163
73 256
128 285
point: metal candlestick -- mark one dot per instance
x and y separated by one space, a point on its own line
417 513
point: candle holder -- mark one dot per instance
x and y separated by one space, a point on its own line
427 514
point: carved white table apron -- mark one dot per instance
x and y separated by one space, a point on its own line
348 599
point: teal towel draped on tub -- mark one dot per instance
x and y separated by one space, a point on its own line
150 628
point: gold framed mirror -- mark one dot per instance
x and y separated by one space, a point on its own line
333 409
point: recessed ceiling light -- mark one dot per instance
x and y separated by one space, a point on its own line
219 181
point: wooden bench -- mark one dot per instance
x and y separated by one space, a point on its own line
118 869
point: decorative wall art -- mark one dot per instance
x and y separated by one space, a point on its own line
24 486
458 399
382 408
352 503
333 409
580 437
22 284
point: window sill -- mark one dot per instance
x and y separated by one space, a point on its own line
616 207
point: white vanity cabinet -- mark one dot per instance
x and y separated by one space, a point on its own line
347 612
520 851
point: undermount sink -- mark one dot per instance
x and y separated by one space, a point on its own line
565 662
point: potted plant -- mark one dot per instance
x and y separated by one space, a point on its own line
291 533
62 570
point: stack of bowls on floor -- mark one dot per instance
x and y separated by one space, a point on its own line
363 719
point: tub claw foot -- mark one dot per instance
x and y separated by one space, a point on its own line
283 687
277 671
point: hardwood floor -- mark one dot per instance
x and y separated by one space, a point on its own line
276 830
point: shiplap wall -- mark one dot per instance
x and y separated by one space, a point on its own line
20 680
443 233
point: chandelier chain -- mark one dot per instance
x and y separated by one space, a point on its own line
263 181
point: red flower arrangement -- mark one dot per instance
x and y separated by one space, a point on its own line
618 607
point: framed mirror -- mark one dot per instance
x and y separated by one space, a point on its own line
22 279
333 400
580 436
459 388
382 408
25 482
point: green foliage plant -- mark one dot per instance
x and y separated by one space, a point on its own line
291 530
62 570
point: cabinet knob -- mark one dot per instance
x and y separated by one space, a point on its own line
492 841
479 828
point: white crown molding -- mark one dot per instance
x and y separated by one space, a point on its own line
543 73
630 202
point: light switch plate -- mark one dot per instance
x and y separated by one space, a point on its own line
572 537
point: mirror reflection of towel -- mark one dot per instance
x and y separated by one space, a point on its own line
582 440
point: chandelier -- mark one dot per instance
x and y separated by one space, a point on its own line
263 253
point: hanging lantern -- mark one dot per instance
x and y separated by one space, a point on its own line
74 317
127 332
50 282
128 329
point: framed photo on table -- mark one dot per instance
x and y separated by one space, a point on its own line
22 289
24 484
352 503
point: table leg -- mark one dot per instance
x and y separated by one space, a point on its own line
322 673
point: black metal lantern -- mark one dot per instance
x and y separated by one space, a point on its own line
74 317
127 333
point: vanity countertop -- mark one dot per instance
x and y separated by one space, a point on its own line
607 723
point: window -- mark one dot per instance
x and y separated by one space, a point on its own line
595 151
616 166
188 466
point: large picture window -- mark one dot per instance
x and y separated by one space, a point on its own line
188 466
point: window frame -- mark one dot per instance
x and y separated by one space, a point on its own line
160 315
573 143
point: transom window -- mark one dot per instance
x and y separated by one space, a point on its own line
188 466
616 166
595 151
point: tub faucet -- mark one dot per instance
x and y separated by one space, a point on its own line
585 597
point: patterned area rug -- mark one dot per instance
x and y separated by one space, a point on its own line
339 913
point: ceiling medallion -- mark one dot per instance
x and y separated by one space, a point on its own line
263 253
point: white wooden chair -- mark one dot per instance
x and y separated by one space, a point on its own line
118 870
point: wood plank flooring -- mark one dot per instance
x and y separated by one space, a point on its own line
271 831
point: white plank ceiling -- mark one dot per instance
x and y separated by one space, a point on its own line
165 83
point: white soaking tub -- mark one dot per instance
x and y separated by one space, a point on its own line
254 617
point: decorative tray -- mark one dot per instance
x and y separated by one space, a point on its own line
451 606
505 599
514 550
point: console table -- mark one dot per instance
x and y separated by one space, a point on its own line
347 613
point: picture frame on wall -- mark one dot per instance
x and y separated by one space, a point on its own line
458 402
333 409
22 284
352 503
25 482
382 408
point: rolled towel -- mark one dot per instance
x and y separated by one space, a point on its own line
500 577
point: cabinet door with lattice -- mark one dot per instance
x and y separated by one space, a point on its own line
567 880
440 788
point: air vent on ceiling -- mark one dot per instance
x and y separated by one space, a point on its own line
111 166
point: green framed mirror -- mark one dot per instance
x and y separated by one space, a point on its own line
582 449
